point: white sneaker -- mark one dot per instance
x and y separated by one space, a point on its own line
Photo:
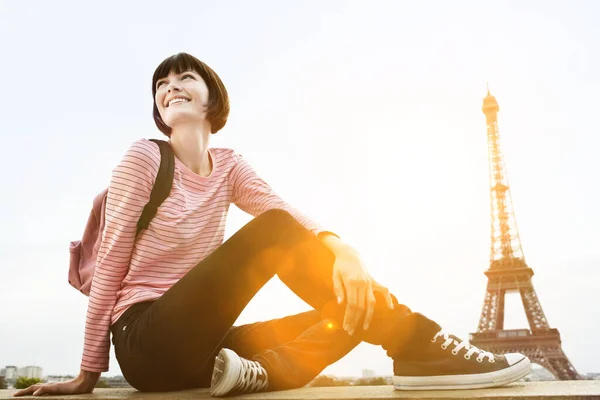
233 374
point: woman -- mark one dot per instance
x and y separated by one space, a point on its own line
171 295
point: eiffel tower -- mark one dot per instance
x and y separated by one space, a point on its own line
508 272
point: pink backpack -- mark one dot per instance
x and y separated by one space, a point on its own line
85 251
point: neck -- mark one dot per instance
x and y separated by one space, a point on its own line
190 145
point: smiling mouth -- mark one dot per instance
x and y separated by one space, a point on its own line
177 101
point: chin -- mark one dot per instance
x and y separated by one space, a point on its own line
184 120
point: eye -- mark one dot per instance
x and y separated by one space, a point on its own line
186 75
159 83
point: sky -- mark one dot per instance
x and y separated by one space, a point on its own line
365 116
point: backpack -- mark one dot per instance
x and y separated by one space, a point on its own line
85 251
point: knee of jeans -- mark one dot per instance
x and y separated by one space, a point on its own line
277 217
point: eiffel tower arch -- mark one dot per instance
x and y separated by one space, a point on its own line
508 272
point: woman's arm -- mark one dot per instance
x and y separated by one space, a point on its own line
128 192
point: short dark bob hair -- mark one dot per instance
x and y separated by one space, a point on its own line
218 101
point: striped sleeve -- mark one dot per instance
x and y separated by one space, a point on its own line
128 192
254 196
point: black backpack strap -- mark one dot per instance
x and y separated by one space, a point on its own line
162 184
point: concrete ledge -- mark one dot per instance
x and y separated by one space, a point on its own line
522 390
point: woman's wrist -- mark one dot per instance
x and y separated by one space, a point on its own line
334 243
88 379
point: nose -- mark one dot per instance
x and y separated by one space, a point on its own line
173 86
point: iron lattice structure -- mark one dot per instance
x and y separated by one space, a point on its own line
509 272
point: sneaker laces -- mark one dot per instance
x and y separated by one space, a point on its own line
461 344
253 377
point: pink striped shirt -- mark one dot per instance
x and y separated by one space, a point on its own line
188 226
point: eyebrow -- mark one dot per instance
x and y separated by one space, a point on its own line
181 73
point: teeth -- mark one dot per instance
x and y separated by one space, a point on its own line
178 100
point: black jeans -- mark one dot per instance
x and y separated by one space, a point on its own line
170 343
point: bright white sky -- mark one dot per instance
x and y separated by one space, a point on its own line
364 115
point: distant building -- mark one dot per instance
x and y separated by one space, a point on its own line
368 373
12 373
9 373
30 372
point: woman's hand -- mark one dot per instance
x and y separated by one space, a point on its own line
84 383
352 283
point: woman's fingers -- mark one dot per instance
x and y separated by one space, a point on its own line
377 287
351 282
388 297
49 388
360 302
370 306
28 390
389 300
69 387
40 389
351 304
338 286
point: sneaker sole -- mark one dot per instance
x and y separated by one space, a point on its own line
470 381
225 374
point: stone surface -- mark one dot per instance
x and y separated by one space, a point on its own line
524 390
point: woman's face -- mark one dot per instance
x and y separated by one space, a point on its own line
181 98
